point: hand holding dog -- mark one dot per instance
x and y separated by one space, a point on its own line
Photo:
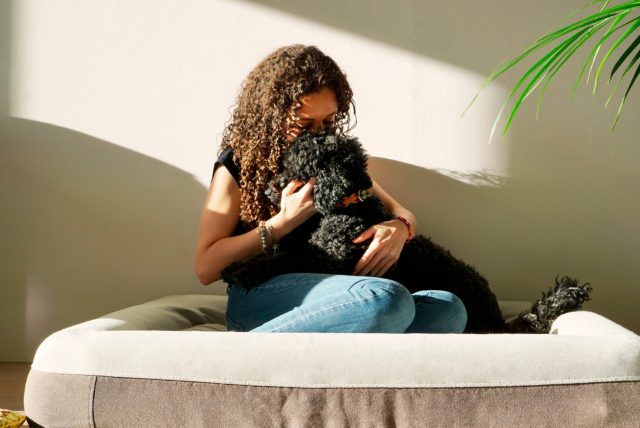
388 239
296 206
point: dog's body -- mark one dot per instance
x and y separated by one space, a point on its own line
324 244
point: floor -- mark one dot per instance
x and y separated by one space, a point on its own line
12 379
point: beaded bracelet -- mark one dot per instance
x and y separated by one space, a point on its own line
272 240
262 231
269 244
409 228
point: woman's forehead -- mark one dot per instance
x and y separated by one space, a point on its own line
322 103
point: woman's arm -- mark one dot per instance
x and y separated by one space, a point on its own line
393 206
387 238
216 248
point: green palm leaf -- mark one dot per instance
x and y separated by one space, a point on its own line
594 52
502 68
620 61
558 65
543 63
554 54
624 56
636 24
633 80
570 39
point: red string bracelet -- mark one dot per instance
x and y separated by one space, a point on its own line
409 228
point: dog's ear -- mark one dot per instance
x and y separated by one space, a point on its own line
343 172
352 157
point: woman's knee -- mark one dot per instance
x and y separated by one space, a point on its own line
395 308
457 314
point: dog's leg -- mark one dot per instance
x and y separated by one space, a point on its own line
334 251
567 295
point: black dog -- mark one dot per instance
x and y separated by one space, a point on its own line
324 244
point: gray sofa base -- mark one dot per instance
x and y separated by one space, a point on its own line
104 401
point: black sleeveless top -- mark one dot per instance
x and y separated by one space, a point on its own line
226 159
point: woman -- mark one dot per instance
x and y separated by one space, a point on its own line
298 88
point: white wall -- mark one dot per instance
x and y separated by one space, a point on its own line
112 113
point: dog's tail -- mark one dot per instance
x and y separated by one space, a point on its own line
566 296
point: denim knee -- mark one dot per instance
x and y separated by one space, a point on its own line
396 309
458 314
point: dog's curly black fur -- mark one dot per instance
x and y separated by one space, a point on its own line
324 244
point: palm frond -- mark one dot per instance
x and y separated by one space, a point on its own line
620 61
634 26
565 57
596 49
633 80
569 39
624 56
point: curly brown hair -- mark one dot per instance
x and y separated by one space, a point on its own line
257 128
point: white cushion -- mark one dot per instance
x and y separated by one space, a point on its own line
179 338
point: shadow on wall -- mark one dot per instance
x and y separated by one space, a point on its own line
88 227
431 28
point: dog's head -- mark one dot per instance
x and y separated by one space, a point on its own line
338 162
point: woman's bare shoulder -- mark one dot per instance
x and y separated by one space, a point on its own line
221 211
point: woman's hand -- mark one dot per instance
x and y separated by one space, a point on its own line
384 250
296 206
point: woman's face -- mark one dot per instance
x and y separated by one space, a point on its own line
313 112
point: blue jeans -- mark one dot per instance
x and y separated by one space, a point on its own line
309 302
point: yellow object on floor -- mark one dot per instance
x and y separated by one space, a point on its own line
10 419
